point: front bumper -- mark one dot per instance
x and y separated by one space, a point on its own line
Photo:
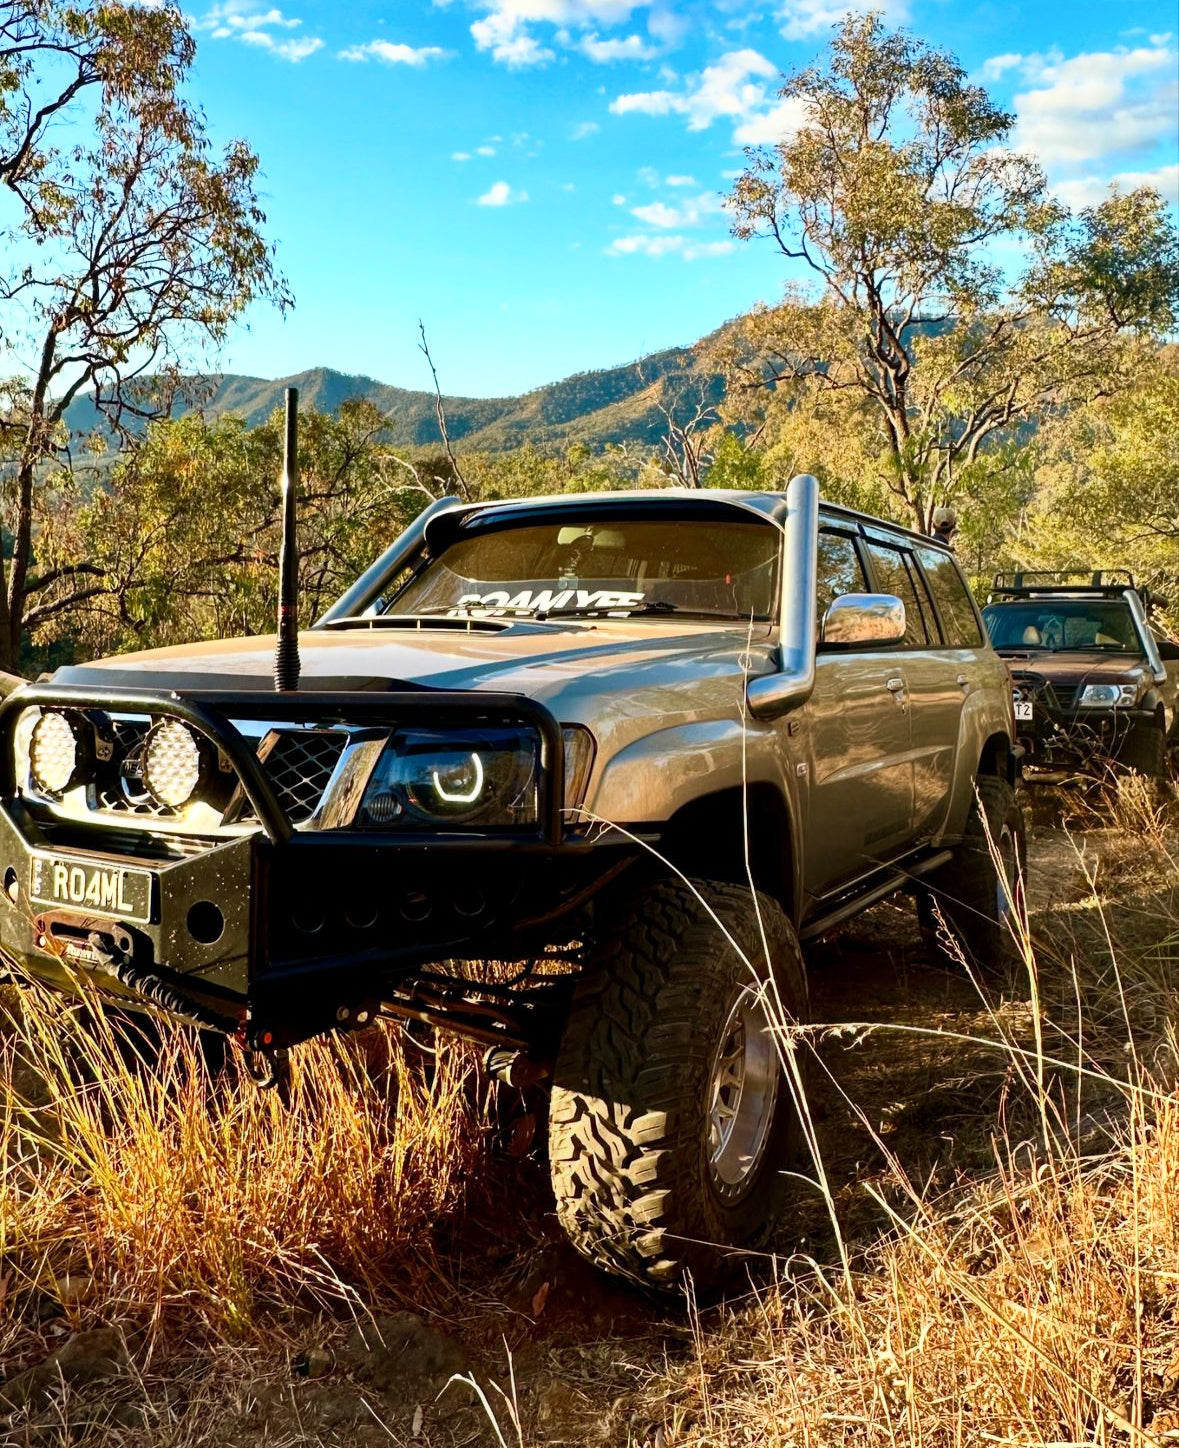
281 933
1061 741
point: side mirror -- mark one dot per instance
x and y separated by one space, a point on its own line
856 619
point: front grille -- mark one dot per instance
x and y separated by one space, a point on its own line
1066 695
299 764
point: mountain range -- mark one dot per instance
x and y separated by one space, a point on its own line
615 405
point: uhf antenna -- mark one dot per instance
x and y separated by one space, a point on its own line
286 651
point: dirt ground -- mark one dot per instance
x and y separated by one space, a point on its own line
569 1349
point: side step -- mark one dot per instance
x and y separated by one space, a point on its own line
878 889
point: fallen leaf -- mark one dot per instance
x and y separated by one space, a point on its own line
540 1297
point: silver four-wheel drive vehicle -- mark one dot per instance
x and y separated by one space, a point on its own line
1096 680
643 743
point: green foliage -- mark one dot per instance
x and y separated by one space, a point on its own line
894 191
124 251
1107 488
182 539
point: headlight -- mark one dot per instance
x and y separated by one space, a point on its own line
172 763
1107 696
58 751
429 777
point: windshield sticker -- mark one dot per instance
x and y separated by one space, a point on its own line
547 600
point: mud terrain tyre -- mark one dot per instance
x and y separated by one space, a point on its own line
672 1123
976 901
1144 750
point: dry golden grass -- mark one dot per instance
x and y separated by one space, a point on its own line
168 1198
1031 1299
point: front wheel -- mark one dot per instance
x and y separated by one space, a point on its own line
1144 750
972 910
673 1119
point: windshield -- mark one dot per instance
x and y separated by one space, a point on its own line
1054 624
622 567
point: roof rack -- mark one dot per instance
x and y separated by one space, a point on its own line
1079 582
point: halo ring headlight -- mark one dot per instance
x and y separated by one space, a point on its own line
173 763
55 752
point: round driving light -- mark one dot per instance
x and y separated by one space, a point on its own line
171 763
53 752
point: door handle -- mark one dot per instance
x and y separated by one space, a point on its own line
895 686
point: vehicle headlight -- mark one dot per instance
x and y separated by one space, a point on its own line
58 752
1107 696
428 777
173 763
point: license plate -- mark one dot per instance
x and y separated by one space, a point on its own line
108 890
1023 709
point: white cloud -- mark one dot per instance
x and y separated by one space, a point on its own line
776 124
394 54
803 18
225 19
999 65
253 26
292 50
511 29
1083 191
647 103
460 155
680 181
691 211
633 47
484 150
509 44
732 87
1104 103
618 199
658 246
584 129
501 194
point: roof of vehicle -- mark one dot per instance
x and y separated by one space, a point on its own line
770 504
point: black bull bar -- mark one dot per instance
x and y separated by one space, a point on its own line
262 978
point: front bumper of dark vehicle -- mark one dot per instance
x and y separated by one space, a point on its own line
1062 741
280 933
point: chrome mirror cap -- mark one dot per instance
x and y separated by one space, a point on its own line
863 618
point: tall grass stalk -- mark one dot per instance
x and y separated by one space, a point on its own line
188 1196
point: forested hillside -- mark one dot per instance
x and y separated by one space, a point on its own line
614 405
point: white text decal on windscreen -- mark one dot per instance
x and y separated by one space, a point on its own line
545 600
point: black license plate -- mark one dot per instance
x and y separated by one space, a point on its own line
108 890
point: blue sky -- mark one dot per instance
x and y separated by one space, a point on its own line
540 181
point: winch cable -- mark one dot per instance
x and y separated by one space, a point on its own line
157 990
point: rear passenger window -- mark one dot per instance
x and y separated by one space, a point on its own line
839 569
959 620
895 574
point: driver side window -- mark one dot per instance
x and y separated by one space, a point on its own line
839 569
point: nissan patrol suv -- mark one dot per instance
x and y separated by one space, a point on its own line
646 745
1096 684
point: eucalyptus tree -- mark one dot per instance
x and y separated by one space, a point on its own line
128 248
949 299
